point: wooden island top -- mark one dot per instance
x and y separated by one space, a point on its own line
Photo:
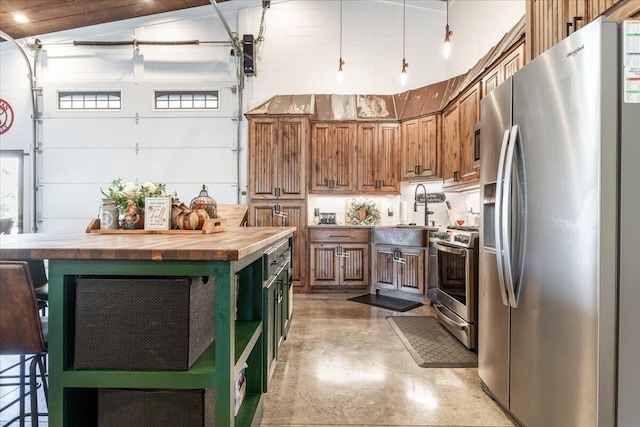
231 245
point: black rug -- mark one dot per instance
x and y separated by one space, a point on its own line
390 303
430 344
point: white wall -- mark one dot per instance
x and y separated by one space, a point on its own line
82 152
477 26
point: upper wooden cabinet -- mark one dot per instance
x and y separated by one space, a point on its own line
333 157
549 21
503 69
469 107
378 158
420 142
450 145
277 157
459 152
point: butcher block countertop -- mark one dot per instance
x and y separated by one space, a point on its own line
231 245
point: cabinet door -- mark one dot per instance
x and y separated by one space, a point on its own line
410 159
263 215
428 147
378 158
469 107
367 156
355 265
450 146
290 164
325 265
511 63
333 157
491 80
384 268
263 134
411 274
388 158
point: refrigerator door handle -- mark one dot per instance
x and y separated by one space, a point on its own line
498 217
514 140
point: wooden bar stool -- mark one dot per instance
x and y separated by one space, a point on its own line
22 331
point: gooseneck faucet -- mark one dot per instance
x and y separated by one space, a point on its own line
426 203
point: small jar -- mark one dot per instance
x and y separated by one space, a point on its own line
109 214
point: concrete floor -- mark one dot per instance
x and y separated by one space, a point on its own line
343 365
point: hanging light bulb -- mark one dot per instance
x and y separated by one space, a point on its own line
405 64
447 36
341 61
403 73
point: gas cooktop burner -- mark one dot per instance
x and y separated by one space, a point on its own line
463 227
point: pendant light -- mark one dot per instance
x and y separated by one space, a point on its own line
447 36
405 64
340 62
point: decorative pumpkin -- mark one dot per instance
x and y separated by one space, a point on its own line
192 220
177 209
203 201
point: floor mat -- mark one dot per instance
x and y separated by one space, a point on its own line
430 344
383 301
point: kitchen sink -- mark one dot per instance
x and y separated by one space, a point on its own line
404 235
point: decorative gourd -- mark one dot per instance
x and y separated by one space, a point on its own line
177 209
192 220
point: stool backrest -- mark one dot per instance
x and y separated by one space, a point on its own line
20 326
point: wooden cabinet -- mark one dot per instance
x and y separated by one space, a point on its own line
503 69
450 145
279 213
378 158
277 148
399 268
549 21
333 157
339 258
469 110
459 153
420 142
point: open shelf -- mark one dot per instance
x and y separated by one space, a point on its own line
251 405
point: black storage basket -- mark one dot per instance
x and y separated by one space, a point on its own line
156 408
143 323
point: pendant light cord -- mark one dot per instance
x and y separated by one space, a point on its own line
340 29
404 28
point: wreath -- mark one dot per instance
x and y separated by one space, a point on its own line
363 212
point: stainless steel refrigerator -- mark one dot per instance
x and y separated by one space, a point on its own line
559 291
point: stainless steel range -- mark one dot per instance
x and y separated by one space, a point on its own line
457 281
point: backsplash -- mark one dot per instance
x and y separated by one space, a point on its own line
461 203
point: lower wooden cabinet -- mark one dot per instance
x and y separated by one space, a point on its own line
278 213
339 258
399 269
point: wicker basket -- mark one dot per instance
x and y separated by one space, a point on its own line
156 408
143 323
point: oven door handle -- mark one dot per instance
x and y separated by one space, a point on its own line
447 319
449 249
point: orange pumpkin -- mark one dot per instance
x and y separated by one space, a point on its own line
177 209
192 220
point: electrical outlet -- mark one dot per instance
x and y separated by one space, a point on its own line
316 212
390 211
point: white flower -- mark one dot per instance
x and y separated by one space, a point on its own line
130 189
150 186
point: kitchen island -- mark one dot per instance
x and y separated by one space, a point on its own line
233 258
